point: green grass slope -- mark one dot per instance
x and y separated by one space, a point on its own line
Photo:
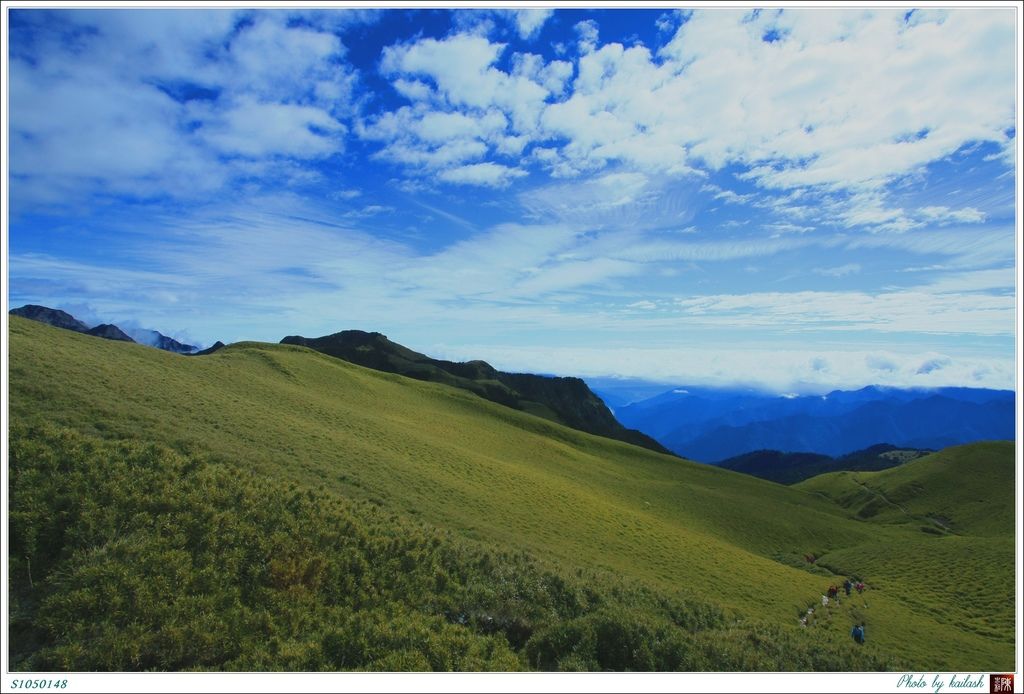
564 400
962 490
963 498
507 481
144 558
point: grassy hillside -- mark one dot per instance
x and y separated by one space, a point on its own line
955 490
147 559
964 496
568 401
505 482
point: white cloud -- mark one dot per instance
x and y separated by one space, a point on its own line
63 132
291 273
976 249
944 214
587 30
259 130
369 211
462 68
448 154
666 22
483 174
869 209
910 311
529 22
271 60
844 100
876 362
616 200
132 105
859 87
440 127
933 364
839 271
707 251
574 274
414 90
778 370
786 228
458 95
719 193
976 281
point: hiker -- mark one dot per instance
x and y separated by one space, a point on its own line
860 587
858 633
848 586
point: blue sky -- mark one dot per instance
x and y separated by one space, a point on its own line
796 199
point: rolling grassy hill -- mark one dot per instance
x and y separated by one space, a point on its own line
279 421
955 490
564 400
954 495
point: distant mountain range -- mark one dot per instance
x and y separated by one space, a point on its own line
62 319
789 468
713 425
568 401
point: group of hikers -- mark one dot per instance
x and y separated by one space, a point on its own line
832 594
833 591
848 586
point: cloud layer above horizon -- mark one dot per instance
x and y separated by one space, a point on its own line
813 187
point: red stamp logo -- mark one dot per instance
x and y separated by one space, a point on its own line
1000 684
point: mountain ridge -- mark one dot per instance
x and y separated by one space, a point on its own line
793 467
50 316
108 331
564 399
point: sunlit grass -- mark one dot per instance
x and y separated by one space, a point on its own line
513 482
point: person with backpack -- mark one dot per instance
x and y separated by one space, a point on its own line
858 633
848 586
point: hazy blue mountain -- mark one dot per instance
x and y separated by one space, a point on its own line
712 425
157 339
620 392
108 331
